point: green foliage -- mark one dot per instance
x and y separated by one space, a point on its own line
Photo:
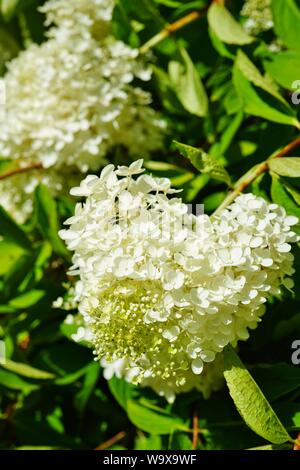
8 8
258 94
12 232
283 67
281 196
226 27
287 22
251 402
203 162
47 219
286 167
153 419
26 371
226 97
187 85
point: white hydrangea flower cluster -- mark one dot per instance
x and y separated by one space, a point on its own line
71 100
210 380
164 291
259 16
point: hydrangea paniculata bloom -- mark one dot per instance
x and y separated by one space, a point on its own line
164 291
70 100
259 16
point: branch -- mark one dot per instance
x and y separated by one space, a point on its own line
110 442
195 430
287 149
170 29
24 169
255 172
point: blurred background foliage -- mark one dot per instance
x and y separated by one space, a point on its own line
225 92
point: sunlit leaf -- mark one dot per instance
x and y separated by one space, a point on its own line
188 85
203 162
251 402
225 26
286 166
286 15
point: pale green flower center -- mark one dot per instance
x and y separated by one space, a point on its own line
120 329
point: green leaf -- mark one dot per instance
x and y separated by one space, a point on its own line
43 254
8 8
225 26
26 371
289 166
146 417
284 68
11 231
188 85
166 91
213 201
90 380
178 176
228 135
203 162
153 421
6 310
27 300
252 73
145 9
293 192
9 254
169 3
26 271
152 442
232 102
121 390
11 48
286 16
122 26
189 5
48 220
280 196
16 277
251 402
220 47
13 381
258 102
193 187
71 378
67 360
32 23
